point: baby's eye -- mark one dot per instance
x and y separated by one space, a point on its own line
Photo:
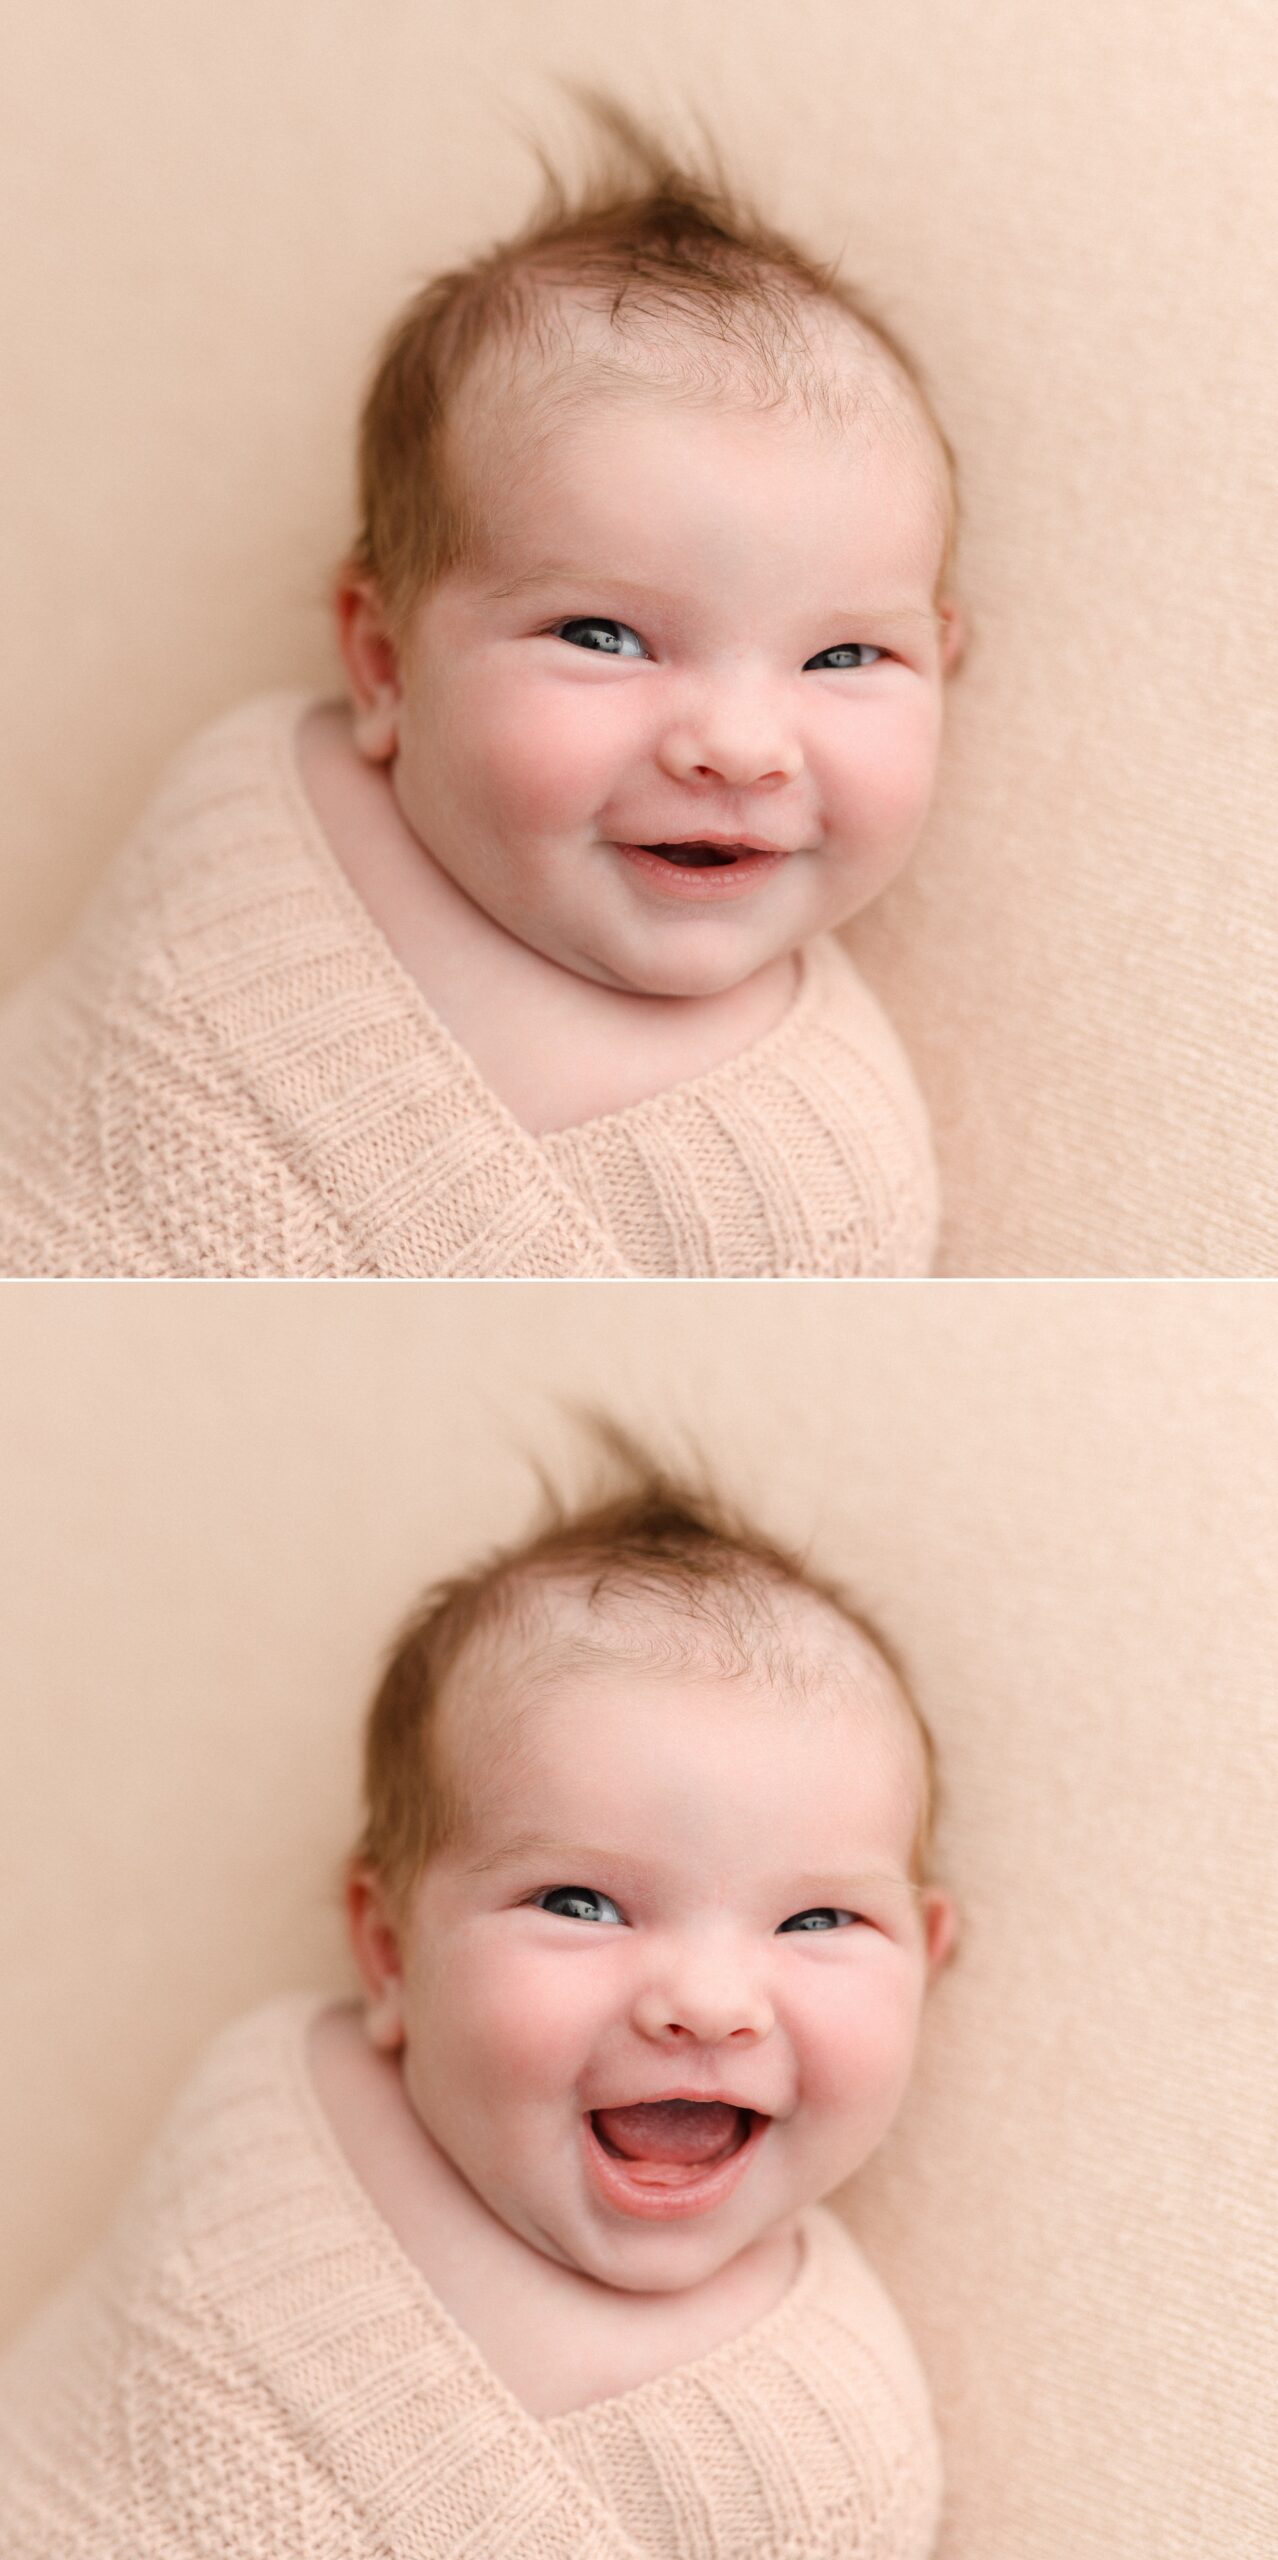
592 631
848 653
826 1917
577 1899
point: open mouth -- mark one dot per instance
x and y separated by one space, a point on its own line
686 2159
699 871
672 2133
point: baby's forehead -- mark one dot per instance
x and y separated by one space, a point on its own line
551 400
808 1682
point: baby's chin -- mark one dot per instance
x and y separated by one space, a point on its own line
703 957
706 968
650 2261
692 986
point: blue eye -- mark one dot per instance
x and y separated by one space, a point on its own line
602 636
578 1897
826 1917
847 653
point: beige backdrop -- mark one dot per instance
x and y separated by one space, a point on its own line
218 1502
1068 212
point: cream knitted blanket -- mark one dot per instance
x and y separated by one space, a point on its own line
226 1073
249 2368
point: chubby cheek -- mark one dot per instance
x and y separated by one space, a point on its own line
859 2048
546 760
879 783
527 2025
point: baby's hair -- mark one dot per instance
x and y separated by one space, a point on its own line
648 235
648 1534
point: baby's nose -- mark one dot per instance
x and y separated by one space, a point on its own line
734 736
705 1997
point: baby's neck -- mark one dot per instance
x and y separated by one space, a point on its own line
556 1048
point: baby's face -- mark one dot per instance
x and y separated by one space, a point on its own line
675 1885
693 625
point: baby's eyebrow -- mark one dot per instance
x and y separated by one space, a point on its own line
525 1844
539 1844
880 613
546 573
565 572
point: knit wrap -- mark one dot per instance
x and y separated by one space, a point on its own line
248 2367
226 1073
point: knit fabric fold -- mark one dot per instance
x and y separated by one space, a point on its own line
225 1073
249 2368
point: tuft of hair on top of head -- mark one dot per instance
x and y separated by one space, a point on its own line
648 1520
655 235
645 1528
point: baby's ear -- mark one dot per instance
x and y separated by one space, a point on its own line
370 656
954 636
940 1928
375 1944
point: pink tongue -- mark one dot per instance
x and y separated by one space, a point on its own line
674 2129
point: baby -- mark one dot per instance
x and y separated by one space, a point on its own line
526 2252
520 960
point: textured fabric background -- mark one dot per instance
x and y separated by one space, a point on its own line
1069 214
218 1502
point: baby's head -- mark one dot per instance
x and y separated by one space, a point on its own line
657 534
648 1817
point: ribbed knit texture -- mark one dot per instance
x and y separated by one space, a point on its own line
226 1073
250 2368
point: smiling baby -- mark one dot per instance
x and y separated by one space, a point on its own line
526 2251
519 959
